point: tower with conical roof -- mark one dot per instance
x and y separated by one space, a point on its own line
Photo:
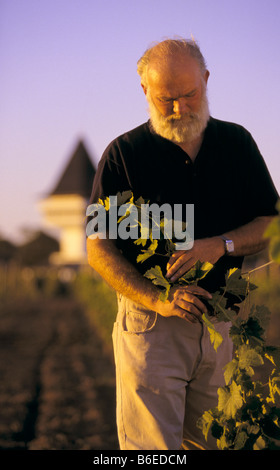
65 207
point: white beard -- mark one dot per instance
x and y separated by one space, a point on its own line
180 129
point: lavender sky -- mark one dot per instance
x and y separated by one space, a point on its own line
68 71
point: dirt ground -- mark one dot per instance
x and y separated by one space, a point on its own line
57 387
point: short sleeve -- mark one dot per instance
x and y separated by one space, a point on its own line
261 194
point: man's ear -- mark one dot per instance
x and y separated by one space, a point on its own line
206 76
144 88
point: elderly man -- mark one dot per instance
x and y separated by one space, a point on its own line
167 371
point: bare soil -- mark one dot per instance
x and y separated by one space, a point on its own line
57 386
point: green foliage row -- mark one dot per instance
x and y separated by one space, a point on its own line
247 416
248 412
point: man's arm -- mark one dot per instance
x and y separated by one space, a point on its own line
247 239
122 276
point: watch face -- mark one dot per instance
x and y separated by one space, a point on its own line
230 246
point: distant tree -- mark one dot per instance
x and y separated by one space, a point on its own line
7 250
37 249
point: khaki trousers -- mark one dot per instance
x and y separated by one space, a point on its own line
167 375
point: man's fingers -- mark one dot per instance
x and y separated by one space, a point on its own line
192 309
180 266
174 257
197 290
186 302
188 316
179 270
193 304
190 304
187 312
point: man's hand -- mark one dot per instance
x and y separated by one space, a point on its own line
184 302
207 249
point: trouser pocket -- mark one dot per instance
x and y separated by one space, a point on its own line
136 322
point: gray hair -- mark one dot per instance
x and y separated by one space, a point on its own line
169 47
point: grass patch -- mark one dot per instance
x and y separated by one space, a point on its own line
100 302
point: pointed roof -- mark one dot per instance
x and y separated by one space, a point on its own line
78 175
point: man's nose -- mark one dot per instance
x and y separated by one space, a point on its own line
179 106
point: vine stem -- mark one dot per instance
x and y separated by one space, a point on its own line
248 273
259 267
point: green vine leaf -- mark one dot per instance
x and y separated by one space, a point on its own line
272 353
223 443
260 444
141 241
248 358
156 276
250 331
197 272
261 314
230 370
105 203
219 308
274 388
240 440
169 247
230 399
215 337
237 285
147 253
123 197
205 422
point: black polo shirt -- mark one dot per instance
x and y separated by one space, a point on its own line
228 182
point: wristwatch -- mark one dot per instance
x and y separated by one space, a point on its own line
229 245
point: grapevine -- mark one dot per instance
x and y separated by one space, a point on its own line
247 416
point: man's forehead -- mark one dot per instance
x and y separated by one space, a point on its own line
166 72
177 62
